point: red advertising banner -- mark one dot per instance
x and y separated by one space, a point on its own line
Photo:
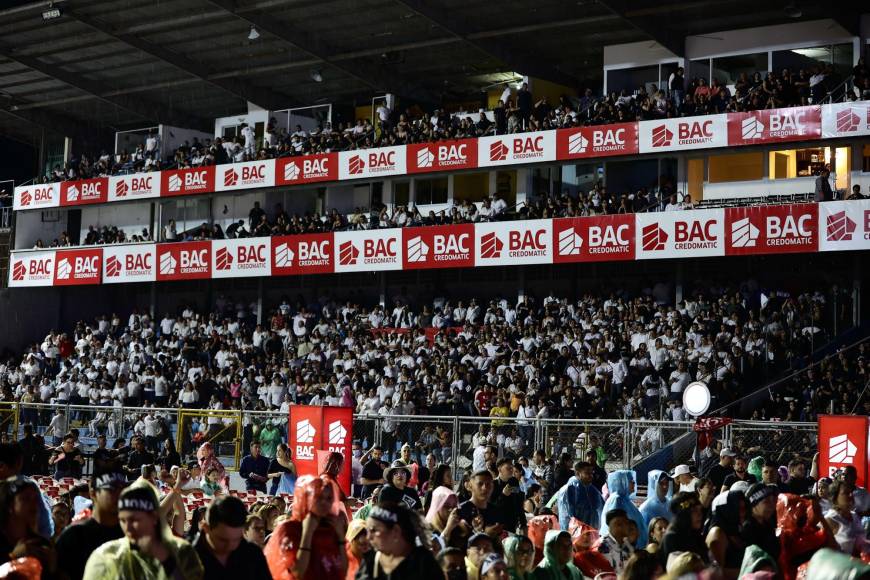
442 156
843 442
439 247
600 141
305 428
184 261
76 267
187 181
317 430
774 125
772 229
593 239
84 192
337 433
306 169
302 254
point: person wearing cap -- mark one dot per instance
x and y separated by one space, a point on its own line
79 540
494 568
759 528
224 552
682 476
723 469
397 489
148 549
479 546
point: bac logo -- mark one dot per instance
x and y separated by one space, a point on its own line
223 259
498 151
26 198
39 196
337 433
18 271
577 144
853 118
570 242
491 246
193 180
113 267
64 269
751 128
425 158
168 264
662 137
284 256
121 189
841 450
418 250
291 171
305 431
356 165
788 227
231 178
744 234
72 192
348 254
654 238
840 227
246 175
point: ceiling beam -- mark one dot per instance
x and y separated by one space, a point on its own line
374 76
137 106
658 29
520 61
847 15
262 97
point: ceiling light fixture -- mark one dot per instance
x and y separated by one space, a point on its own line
792 11
316 75
253 34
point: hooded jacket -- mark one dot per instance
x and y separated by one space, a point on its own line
618 483
119 560
549 569
580 501
654 507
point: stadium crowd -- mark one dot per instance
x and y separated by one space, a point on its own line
516 111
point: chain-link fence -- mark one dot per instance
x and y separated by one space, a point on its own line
576 437
779 442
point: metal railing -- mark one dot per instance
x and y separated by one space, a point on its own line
627 443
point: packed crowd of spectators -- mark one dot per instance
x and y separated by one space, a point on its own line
97 236
516 111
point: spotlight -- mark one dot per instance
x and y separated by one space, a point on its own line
253 34
316 75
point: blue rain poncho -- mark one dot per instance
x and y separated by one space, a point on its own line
580 501
619 485
654 507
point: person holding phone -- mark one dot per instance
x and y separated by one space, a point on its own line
508 498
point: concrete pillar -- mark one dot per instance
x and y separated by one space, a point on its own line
678 284
259 301
382 292
856 289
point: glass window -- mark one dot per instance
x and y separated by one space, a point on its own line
866 165
728 69
401 192
631 79
429 191
699 69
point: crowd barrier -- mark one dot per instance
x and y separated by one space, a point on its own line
738 231
644 137
450 439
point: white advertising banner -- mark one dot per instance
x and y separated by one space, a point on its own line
680 234
31 269
683 134
372 163
241 258
368 251
846 119
514 243
134 263
516 149
39 196
134 186
844 225
245 175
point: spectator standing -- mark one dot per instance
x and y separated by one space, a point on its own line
67 459
373 472
224 552
759 529
823 187
723 469
78 541
677 87
254 469
148 548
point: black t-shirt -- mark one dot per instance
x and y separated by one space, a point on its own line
408 496
510 507
718 473
78 541
420 564
761 535
732 479
468 511
247 562
69 464
373 470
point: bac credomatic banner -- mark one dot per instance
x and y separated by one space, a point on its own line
316 431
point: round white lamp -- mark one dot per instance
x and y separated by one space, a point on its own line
696 398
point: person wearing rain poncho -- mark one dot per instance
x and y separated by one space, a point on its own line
660 490
580 499
148 550
519 553
558 558
621 485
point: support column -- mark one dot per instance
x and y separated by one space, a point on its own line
152 302
521 284
678 284
259 301
856 289
382 291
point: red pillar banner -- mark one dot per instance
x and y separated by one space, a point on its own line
315 431
843 441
